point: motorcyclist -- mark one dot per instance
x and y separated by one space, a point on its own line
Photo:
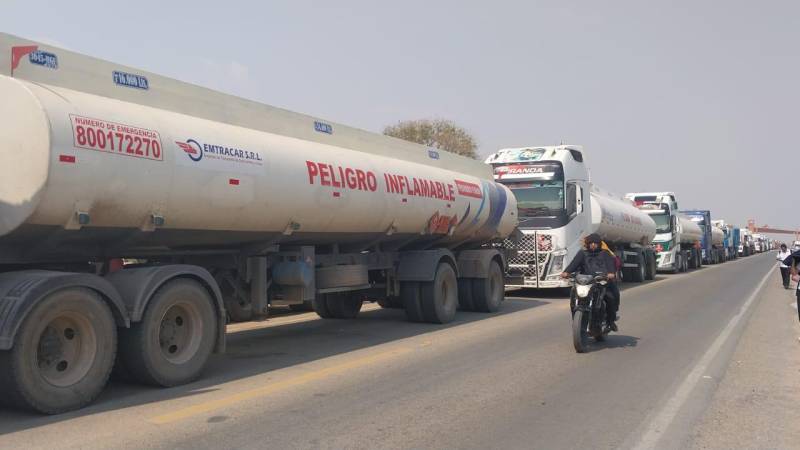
596 260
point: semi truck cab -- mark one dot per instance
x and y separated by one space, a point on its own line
551 185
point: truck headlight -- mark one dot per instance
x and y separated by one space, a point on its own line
557 262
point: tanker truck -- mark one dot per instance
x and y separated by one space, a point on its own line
139 213
558 206
712 237
677 240
730 242
745 242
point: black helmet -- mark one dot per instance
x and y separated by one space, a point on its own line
594 237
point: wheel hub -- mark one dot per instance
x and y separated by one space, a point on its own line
66 349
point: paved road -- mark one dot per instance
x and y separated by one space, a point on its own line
505 380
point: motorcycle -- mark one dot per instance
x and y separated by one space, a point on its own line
588 304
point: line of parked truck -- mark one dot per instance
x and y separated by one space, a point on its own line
559 205
140 214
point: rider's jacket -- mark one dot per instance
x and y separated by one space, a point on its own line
589 262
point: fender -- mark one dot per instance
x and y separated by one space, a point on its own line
421 265
21 291
475 263
137 286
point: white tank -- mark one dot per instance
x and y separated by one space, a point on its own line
124 174
717 236
690 231
618 220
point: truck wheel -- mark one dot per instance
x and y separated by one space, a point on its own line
320 306
439 298
409 293
640 273
344 305
174 340
465 301
651 266
488 293
390 303
63 354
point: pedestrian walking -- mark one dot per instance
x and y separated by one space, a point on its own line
784 253
792 261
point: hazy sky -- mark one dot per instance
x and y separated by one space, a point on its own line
698 97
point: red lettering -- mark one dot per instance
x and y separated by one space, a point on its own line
408 186
439 190
417 190
324 176
426 189
341 177
450 194
313 171
372 182
394 186
401 183
362 180
350 178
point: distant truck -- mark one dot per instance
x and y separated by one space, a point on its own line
712 239
746 246
677 240
730 241
758 243
558 206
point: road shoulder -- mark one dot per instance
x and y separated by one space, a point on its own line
757 403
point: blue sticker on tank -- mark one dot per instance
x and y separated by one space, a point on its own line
44 59
130 80
323 127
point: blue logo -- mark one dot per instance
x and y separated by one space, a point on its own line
323 127
433 154
196 151
130 80
44 59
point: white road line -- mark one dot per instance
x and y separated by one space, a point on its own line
662 420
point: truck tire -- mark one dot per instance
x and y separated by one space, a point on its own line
320 306
488 293
439 298
390 303
63 353
465 302
651 265
640 272
409 293
344 305
174 340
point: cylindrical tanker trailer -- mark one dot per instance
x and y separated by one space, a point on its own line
558 207
618 220
141 210
690 232
712 239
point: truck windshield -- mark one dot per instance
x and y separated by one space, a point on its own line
539 198
663 222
